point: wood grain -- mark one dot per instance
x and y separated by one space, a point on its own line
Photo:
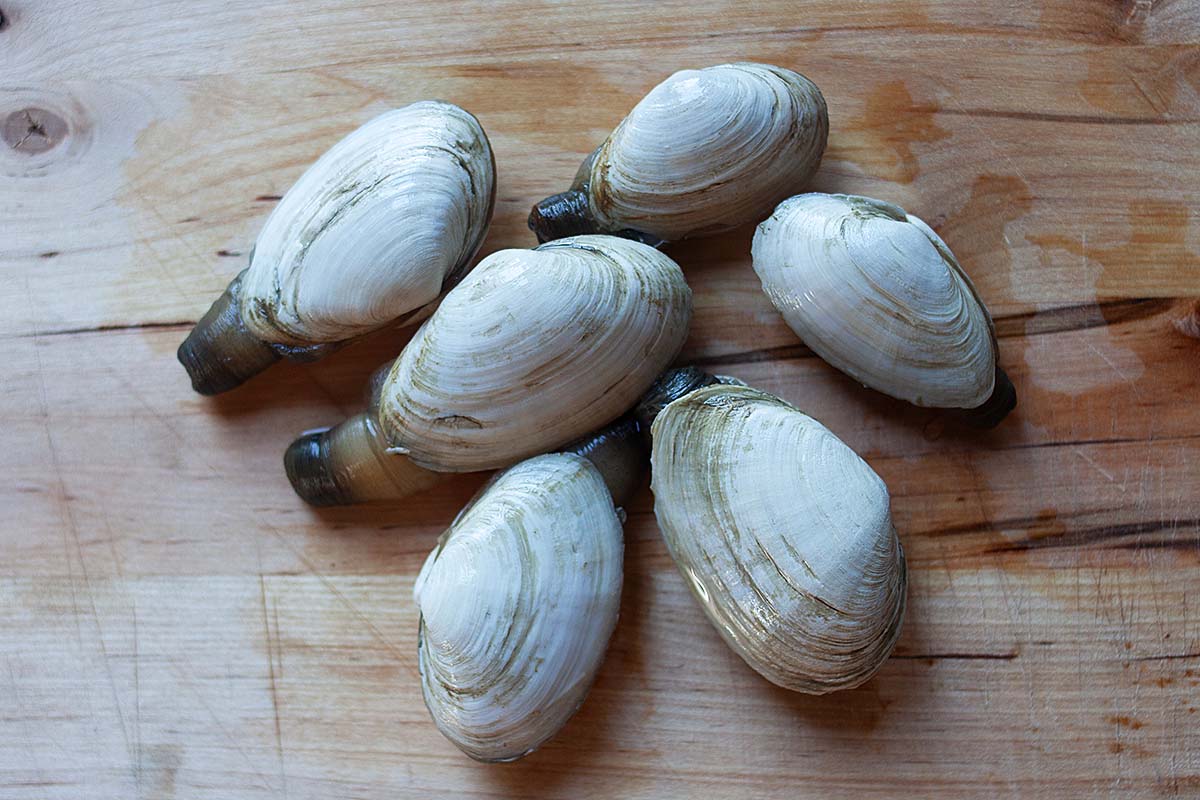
177 624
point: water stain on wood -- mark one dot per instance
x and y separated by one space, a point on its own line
881 139
1158 231
978 231
1156 250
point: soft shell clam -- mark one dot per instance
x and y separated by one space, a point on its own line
533 349
370 235
783 534
876 293
706 150
517 604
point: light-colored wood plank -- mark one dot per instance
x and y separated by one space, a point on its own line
177 624
1059 178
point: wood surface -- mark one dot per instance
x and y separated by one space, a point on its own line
175 623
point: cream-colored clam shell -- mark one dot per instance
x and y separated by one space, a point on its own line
533 349
710 149
371 232
783 533
517 604
878 295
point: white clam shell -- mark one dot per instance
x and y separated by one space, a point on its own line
878 295
517 604
372 231
783 533
708 150
533 349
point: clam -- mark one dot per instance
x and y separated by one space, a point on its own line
876 293
370 235
533 349
706 150
783 534
518 602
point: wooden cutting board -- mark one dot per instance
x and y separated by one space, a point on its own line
174 623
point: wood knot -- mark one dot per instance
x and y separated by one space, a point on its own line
33 130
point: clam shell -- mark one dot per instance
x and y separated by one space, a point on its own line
783 534
374 229
708 150
533 349
517 604
878 295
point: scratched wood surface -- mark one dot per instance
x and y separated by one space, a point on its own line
174 623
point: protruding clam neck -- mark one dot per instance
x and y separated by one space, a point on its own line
619 453
351 464
561 215
669 387
998 406
221 353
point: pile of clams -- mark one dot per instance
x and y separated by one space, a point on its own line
554 365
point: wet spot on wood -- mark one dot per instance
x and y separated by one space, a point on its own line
978 231
33 130
1157 241
1156 251
881 140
